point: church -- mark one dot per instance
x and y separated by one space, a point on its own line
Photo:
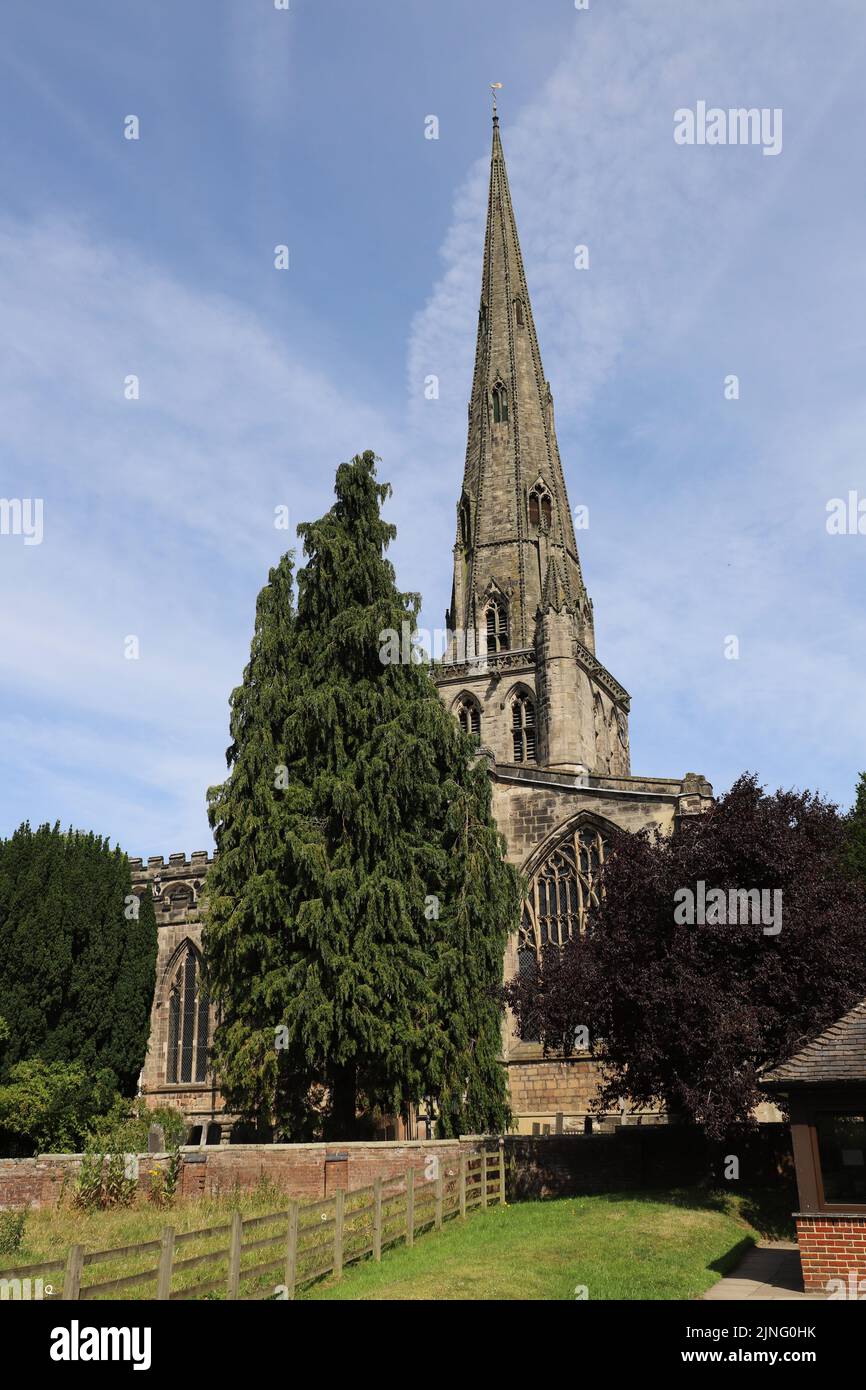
521 676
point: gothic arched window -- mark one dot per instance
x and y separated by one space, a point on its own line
188 1022
540 507
500 404
523 727
464 522
496 622
563 891
518 312
468 714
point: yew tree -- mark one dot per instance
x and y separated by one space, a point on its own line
359 904
77 955
855 831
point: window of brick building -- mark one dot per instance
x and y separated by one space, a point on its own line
842 1148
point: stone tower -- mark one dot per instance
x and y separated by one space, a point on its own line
520 672
518 588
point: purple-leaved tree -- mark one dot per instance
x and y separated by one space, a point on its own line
688 1015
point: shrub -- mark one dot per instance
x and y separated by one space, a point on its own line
11 1231
124 1129
47 1107
103 1184
163 1181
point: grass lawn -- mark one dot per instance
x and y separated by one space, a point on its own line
653 1246
640 1246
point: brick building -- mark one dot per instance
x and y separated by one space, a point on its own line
825 1087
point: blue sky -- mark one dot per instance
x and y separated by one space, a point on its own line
155 258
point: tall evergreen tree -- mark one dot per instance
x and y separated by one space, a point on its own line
77 954
855 831
359 903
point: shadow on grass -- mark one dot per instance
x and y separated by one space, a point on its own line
728 1262
687 1198
769 1209
770 1212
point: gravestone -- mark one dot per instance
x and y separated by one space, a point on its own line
156 1140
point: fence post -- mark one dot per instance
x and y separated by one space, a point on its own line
501 1171
339 1204
440 1193
166 1259
291 1273
377 1218
462 1185
72 1273
410 1207
483 1177
235 1254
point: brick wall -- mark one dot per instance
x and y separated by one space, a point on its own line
662 1157
832 1247
305 1171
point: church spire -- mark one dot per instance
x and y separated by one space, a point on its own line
513 514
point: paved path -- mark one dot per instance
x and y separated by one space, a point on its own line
770 1271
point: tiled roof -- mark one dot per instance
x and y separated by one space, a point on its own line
837 1054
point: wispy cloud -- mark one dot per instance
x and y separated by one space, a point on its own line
159 516
707 517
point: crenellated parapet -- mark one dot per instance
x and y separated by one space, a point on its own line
199 859
176 883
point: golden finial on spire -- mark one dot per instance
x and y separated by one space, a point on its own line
495 87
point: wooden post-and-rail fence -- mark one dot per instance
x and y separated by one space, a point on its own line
302 1243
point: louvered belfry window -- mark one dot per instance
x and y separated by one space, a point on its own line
523 728
540 508
497 628
469 717
188 1023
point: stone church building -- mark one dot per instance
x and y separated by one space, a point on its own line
521 675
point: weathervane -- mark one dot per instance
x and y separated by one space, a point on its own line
495 87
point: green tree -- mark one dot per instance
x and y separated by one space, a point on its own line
855 831
359 904
77 954
48 1107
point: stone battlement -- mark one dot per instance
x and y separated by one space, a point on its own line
199 859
